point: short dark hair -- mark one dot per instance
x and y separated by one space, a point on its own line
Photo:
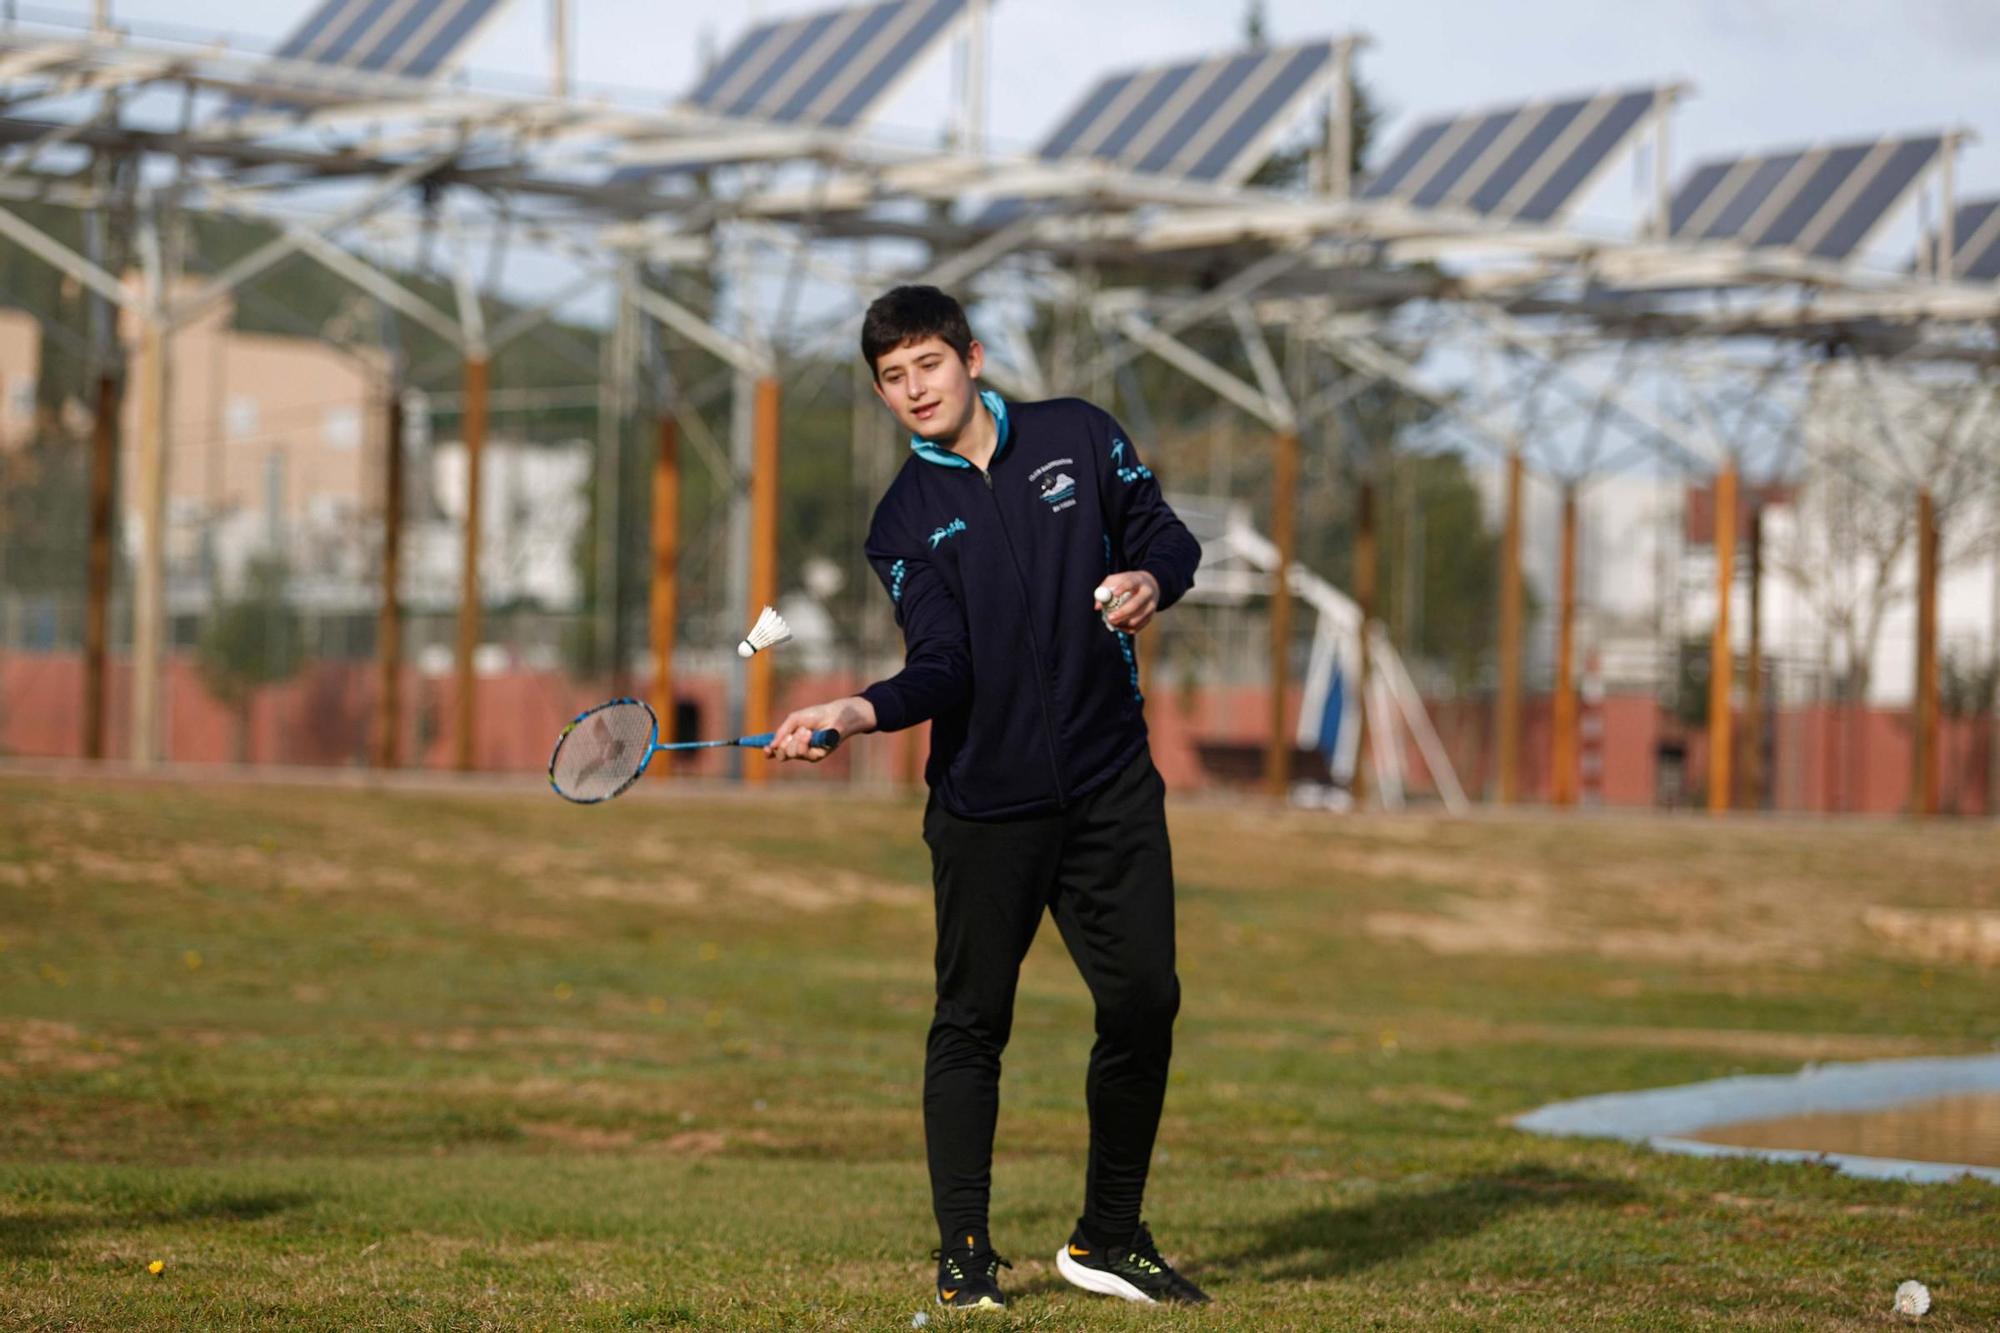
903 315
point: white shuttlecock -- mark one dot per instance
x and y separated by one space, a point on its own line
1102 595
919 1319
1913 1299
769 631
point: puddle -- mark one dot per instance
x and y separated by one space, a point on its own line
1930 1119
1941 1129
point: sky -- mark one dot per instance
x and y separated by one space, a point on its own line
1765 72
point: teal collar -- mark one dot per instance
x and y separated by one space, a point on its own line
943 457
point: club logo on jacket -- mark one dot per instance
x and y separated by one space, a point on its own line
951 529
1056 487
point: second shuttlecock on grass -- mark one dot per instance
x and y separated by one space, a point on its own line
769 631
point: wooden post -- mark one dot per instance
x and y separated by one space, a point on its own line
666 589
763 560
1563 756
389 616
1284 535
1753 779
97 574
465 702
1365 580
1721 661
1508 728
1924 735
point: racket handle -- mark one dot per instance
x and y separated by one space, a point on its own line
822 740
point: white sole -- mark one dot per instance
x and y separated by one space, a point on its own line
1104 1284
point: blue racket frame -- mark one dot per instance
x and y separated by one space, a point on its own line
825 740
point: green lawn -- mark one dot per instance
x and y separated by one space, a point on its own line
347 1059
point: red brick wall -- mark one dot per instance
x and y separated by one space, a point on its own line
1828 758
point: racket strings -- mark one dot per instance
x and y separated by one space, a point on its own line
603 751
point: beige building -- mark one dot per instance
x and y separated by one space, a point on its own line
20 366
274 443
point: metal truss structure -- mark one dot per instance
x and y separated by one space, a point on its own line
1674 345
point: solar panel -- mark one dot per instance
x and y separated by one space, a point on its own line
1693 194
1976 233
1734 212
1227 82
1895 174
1235 142
1535 138
1468 147
1404 160
1827 170
1525 161
1198 120
1824 200
1072 128
409 38
826 68
1590 145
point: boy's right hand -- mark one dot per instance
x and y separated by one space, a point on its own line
852 716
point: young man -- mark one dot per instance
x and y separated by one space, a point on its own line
994 542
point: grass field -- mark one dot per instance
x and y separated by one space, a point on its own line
348 1059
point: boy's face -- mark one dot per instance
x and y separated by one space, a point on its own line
931 391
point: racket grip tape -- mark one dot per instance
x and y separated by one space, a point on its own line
822 740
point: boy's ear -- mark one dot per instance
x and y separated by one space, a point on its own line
975 359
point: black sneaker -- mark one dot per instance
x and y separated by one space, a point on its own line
969 1276
1134 1272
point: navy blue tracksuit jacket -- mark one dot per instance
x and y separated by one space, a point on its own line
1033 702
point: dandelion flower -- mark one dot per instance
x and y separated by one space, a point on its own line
157 1267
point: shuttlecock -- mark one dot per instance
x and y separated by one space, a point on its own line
1107 602
1913 1299
919 1319
769 631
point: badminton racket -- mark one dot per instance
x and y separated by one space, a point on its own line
606 749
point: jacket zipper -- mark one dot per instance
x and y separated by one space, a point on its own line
1034 647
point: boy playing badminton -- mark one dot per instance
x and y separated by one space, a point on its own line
995 542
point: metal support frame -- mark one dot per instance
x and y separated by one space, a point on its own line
149 593
1507 726
664 595
388 722
1926 731
1365 596
97 575
465 695
763 590
1752 782
382 135
1563 758
1284 535
1721 655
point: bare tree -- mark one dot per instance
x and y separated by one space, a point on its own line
1873 441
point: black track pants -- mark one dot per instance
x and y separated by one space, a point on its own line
1104 870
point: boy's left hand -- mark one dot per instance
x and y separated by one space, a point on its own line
1140 592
